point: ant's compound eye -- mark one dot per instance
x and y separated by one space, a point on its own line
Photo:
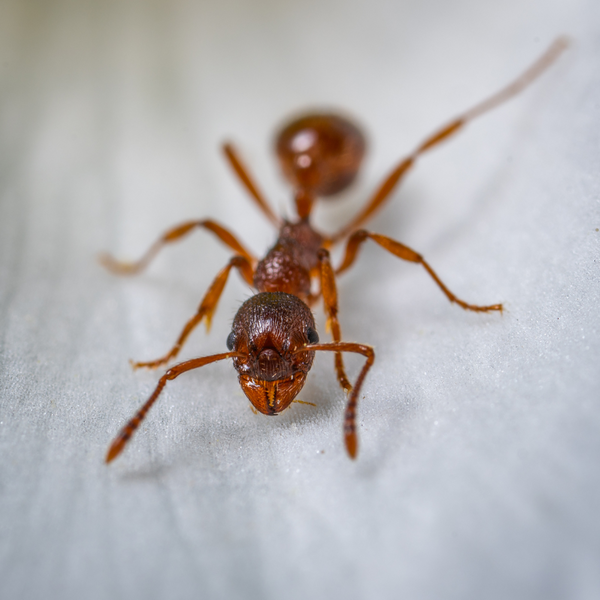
230 341
313 336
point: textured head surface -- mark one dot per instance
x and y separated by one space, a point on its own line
268 330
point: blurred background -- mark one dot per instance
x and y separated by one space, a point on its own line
478 468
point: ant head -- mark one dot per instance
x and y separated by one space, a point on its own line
269 331
320 154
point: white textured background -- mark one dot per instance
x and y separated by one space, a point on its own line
479 470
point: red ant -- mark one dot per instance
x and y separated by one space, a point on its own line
273 338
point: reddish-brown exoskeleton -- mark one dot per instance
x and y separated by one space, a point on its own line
273 338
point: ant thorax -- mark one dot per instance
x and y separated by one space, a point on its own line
288 265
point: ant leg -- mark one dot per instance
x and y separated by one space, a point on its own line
205 310
350 437
125 434
405 253
244 176
172 235
391 181
330 304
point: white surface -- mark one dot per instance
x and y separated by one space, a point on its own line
478 470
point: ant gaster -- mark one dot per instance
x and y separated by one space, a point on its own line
273 338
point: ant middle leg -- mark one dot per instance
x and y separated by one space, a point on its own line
172 235
205 310
405 253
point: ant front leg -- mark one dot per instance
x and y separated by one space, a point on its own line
350 437
330 303
125 434
405 253
172 235
205 310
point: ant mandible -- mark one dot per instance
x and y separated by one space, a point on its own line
273 339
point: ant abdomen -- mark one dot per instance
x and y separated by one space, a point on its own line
320 154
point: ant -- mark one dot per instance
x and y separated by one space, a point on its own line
273 339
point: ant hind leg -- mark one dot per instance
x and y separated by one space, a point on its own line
244 176
389 184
